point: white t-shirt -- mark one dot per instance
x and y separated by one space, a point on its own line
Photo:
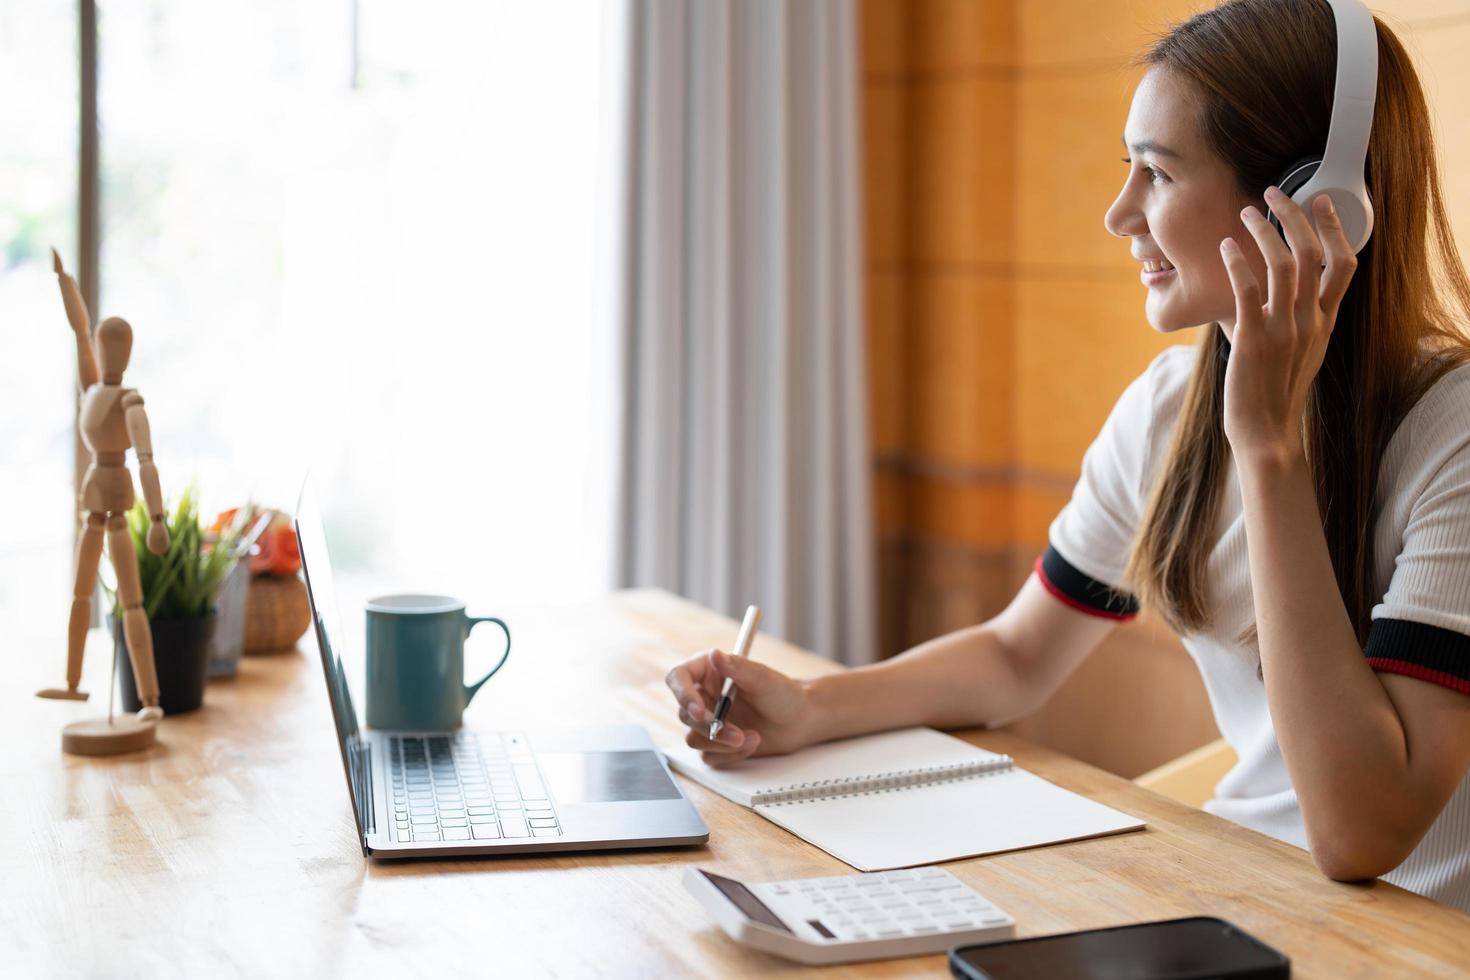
1421 626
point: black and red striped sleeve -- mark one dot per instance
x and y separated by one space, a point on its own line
1081 591
1429 653
1089 540
1421 626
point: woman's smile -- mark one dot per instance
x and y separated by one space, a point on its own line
1157 278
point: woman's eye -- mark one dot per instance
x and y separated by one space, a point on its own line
1155 176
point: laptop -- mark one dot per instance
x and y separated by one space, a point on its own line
470 791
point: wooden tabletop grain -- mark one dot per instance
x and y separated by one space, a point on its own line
229 849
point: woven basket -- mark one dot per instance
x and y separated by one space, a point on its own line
276 613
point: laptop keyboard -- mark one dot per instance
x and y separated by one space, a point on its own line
468 786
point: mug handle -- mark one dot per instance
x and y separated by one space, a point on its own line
470 623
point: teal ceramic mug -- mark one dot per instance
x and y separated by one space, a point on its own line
415 661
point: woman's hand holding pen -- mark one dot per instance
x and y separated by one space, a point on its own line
771 716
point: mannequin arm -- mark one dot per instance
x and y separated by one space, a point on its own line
81 324
142 440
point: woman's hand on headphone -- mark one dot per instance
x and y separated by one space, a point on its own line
1281 335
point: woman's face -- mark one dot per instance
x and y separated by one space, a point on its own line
1178 201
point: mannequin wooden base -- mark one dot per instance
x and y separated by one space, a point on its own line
96 736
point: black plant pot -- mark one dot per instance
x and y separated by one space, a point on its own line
180 656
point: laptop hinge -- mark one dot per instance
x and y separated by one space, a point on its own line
368 816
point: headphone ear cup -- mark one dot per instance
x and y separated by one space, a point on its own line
1293 180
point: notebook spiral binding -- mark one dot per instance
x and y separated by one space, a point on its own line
880 782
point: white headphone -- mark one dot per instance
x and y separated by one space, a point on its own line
1338 173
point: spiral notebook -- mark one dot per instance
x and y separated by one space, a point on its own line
905 798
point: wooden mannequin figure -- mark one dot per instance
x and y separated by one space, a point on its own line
111 420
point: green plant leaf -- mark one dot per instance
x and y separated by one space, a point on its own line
184 580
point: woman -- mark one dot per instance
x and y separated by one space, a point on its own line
1324 418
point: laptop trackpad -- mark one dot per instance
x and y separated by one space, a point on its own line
605 777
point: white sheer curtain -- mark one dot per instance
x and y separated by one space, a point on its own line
741 447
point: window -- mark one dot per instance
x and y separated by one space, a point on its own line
38 171
352 236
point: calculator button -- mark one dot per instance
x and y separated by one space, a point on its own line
888 933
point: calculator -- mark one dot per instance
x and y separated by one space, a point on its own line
847 918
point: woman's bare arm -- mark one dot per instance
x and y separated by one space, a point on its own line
988 674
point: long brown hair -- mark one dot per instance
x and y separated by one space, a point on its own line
1263 72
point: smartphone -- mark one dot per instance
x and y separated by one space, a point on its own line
1199 948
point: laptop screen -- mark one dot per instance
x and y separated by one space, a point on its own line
329 637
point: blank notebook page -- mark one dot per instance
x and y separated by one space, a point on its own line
944 821
880 827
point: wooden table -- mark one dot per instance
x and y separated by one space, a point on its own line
230 849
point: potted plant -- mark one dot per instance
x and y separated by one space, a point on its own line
179 593
265 590
227 640
277 612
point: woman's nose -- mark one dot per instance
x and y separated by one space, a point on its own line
1123 219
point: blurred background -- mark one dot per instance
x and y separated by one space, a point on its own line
804 304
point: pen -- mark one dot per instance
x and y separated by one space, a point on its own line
742 649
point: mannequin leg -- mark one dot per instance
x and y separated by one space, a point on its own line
136 633
89 553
